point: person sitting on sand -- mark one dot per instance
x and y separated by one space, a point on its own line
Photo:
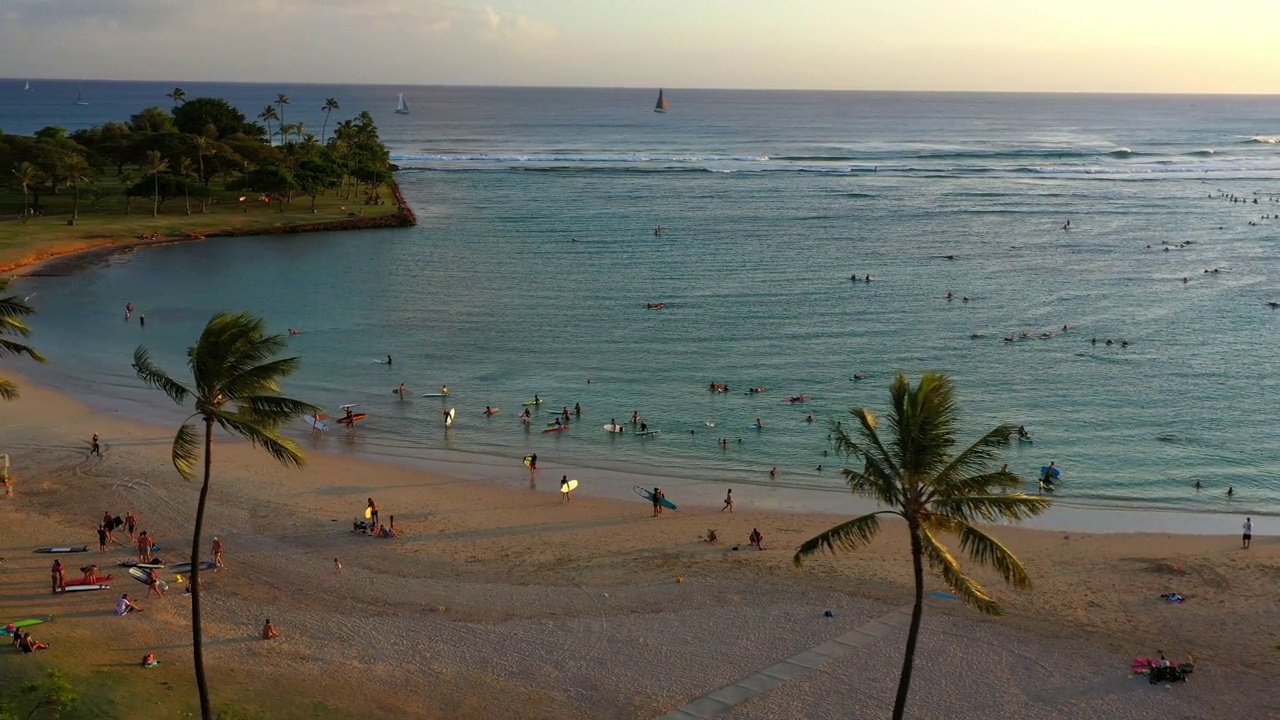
712 537
30 644
124 605
269 631
756 539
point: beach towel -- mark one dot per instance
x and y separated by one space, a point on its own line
1173 598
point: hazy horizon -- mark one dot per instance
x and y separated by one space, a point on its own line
1086 46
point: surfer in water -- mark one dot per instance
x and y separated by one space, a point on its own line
401 391
388 360
644 427
1022 432
526 416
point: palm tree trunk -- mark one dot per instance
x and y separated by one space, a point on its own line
197 643
917 613
204 200
25 204
75 209
186 191
155 205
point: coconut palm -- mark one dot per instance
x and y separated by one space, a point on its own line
267 115
12 310
235 372
204 146
78 172
177 95
281 101
28 176
155 165
186 170
330 104
913 472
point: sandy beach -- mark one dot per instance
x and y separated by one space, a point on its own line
499 601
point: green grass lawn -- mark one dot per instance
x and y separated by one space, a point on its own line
104 219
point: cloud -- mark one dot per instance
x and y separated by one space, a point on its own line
516 26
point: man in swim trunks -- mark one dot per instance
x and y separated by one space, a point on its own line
217 551
144 547
102 538
373 512
131 524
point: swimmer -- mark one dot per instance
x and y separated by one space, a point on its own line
1067 226
808 418
388 360
950 296
759 424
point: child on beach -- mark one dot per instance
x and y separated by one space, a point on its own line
94 447
269 631
337 567
756 539
728 501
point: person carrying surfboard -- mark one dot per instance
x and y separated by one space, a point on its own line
657 500
372 512
565 490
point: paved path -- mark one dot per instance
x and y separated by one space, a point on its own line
721 701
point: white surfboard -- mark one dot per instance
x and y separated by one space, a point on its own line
614 428
316 424
449 416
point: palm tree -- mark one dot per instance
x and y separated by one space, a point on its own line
186 171
204 146
913 472
154 166
28 176
286 130
281 101
177 95
330 104
267 115
12 310
235 372
77 172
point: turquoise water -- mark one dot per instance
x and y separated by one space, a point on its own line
534 259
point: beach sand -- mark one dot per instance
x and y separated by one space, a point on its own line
500 602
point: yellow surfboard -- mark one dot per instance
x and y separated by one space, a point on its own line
368 513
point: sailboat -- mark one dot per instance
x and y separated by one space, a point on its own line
402 107
27 87
662 105
80 97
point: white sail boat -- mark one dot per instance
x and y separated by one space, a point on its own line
662 105
27 87
80 97
402 107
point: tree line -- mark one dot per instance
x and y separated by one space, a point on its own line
188 152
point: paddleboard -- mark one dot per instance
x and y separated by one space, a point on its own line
556 429
433 395
1054 472
184 568
648 433
754 426
84 548
315 423
154 564
492 411
647 494
448 418
79 588
143 577
569 486
348 405
382 362
533 402
614 428
368 513
23 623
352 419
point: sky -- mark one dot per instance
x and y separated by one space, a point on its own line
1161 46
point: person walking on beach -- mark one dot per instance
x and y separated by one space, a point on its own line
144 547
153 583
131 524
373 512
94 447
728 501
337 566
564 489
102 538
218 547
58 575
657 501
1248 533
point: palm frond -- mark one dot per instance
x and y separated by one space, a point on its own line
941 559
848 536
273 410
282 449
924 419
986 550
991 508
260 379
975 461
186 450
9 347
154 377
874 484
8 389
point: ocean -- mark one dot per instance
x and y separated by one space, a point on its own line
535 258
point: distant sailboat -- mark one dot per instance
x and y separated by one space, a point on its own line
80 97
27 87
402 107
662 105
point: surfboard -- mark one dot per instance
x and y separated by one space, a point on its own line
84 548
1054 472
491 412
352 420
143 577
556 429
647 494
449 416
754 426
533 402
648 433
184 568
368 513
614 428
316 424
528 461
348 405
435 394
154 564
23 623
81 588
569 486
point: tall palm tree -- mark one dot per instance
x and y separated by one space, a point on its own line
286 130
267 115
177 95
330 104
913 472
12 310
281 101
155 165
186 170
235 372
78 172
28 176
204 146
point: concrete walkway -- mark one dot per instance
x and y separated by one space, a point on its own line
721 701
